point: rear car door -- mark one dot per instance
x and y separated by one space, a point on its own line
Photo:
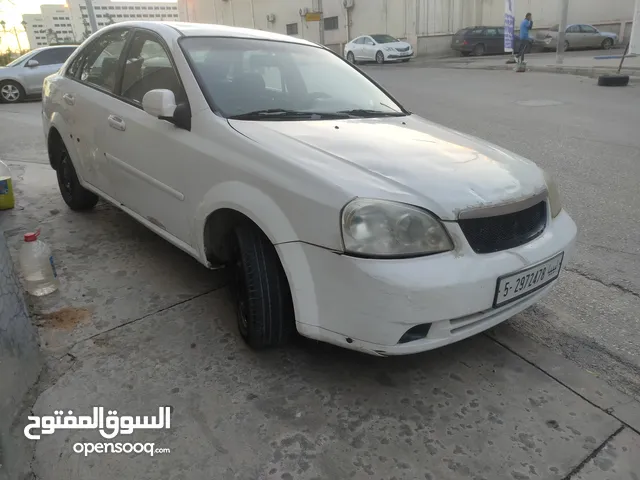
49 62
476 37
87 98
148 156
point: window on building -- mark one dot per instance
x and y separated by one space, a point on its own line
292 29
331 23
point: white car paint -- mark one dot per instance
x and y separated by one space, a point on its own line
366 47
293 179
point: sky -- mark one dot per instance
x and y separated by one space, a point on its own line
11 12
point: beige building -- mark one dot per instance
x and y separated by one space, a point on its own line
53 24
427 24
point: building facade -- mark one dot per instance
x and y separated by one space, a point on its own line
70 23
427 24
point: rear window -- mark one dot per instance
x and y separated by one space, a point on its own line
462 31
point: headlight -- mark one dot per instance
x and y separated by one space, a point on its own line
389 49
380 228
555 203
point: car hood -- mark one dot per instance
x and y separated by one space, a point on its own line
438 168
395 44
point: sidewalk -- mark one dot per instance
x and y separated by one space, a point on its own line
583 63
137 325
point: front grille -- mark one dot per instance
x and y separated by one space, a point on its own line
403 49
494 234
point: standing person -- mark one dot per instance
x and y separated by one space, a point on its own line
525 26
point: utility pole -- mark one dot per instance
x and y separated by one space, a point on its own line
92 15
562 28
321 23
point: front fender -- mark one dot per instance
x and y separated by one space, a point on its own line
251 202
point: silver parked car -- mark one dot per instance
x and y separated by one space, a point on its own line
25 75
577 36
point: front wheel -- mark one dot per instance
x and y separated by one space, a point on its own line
264 308
11 92
607 44
74 195
351 58
379 58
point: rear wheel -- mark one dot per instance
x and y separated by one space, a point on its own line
74 195
264 308
379 58
351 58
11 92
607 43
478 50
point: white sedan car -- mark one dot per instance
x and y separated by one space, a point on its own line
340 214
379 48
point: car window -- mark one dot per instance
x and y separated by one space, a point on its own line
462 31
368 41
588 29
148 67
491 32
384 38
19 60
360 41
501 31
53 56
573 29
477 31
245 75
99 65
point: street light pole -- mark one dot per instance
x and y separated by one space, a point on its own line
562 28
92 15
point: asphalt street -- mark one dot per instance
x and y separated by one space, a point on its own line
587 137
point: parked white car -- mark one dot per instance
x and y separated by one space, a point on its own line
378 48
340 214
25 75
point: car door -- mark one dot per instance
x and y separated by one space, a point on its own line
574 36
475 37
146 154
49 62
358 45
591 36
87 99
369 49
494 42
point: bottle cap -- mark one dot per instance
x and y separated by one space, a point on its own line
31 237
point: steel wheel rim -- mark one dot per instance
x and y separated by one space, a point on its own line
350 57
65 173
608 43
10 93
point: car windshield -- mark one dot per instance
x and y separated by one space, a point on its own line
384 38
19 60
259 80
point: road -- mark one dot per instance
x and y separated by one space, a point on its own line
137 324
587 137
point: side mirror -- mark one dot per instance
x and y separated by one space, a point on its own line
161 103
32 63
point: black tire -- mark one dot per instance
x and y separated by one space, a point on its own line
264 308
478 50
613 80
465 54
74 195
379 57
607 44
11 92
351 58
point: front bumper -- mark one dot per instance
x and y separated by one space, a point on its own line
394 56
368 305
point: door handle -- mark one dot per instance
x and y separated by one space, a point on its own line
69 99
117 123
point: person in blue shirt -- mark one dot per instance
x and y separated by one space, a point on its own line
525 26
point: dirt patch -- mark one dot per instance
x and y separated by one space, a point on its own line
64 319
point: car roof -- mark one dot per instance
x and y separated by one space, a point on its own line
187 29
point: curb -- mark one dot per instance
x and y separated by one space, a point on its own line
591 72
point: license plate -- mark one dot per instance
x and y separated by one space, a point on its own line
517 285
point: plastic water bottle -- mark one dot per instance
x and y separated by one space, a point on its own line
38 268
7 199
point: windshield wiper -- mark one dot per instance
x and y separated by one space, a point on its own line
277 113
365 113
